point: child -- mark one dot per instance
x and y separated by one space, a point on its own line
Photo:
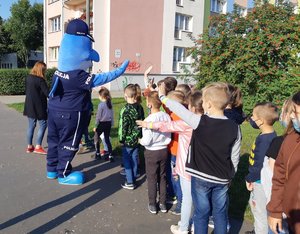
285 189
272 153
263 117
185 134
156 154
104 121
233 111
129 134
213 155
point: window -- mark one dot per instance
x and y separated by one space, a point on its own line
179 2
53 53
183 22
216 6
55 24
179 56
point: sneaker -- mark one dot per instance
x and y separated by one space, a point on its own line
176 211
228 226
152 209
176 230
163 208
30 149
172 200
97 156
103 152
111 158
138 175
211 222
39 151
122 172
127 186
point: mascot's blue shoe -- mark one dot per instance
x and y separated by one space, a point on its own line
51 175
74 178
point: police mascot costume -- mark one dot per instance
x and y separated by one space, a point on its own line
69 100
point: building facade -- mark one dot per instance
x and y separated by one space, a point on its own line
156 32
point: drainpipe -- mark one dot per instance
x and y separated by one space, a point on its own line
87 12
45 31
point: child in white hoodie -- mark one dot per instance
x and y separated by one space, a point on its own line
156 154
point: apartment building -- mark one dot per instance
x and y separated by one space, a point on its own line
156 32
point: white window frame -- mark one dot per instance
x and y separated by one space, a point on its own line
216 6
55 24
183 22
179 57
53 53
179 3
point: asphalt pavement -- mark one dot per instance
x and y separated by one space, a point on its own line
30 203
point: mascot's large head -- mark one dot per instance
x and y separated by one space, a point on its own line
75 52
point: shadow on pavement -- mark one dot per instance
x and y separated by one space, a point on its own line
100 187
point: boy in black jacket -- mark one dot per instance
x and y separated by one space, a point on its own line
213 155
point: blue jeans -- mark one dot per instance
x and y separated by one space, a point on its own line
207 197
41 131
187 204
130 161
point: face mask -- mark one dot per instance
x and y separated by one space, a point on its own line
283 123
253 124
296 125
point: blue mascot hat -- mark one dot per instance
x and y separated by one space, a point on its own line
80 28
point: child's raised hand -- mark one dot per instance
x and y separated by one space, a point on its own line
94 129
162 89
148 70
141 124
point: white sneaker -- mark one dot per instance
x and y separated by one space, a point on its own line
175 229
211 222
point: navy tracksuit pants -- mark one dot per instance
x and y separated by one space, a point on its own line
65 130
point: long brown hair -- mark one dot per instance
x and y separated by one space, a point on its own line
39 69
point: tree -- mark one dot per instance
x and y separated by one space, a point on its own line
259 53
26 28
4 39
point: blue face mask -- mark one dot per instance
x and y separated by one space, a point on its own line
296 125
283 123
253 124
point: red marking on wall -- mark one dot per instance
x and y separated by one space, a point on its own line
132 66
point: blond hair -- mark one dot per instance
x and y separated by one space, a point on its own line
153 99
195 100
39 69
177 96
287 109
217 93
130 91
266 111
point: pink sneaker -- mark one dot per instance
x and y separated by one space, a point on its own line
39 151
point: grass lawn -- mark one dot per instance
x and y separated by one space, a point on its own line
238 193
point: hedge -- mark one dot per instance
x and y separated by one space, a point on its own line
12 81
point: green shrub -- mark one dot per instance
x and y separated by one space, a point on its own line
12 81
